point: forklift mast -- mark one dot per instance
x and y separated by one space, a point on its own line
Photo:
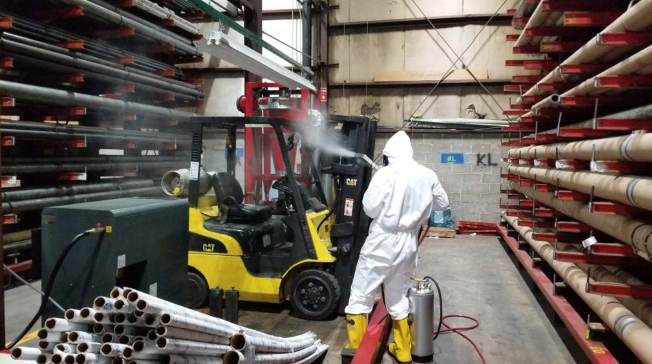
351 226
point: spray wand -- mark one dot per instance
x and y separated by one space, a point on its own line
368 160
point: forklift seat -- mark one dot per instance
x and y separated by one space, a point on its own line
231 198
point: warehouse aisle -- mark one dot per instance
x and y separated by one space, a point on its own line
477 279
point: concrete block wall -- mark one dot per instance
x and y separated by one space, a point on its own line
474 190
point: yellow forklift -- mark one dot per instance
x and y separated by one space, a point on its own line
298 249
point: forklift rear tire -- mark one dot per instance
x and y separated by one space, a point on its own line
315 294
197 291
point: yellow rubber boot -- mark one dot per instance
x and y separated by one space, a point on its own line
400 348
356 326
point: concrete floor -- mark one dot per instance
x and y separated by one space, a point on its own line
477 279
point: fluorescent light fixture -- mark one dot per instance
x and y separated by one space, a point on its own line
221 46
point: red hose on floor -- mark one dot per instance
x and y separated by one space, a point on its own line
459 330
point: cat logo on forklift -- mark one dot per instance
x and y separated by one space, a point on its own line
209 247
351 182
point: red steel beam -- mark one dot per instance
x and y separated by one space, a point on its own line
633 81
527 78
574 257
537 224
568 195
591 18
541 65
623 124
590 100
545 213
516 88
584 133
515 112
74 45
6 23
574 69
560 46
595 351
613 249
608 207
18 268
6 62
521 106
114 33
624 38
533 99
526 49
580 5
573 227
555 86
549 32
618 290
515 63
61 13
512 37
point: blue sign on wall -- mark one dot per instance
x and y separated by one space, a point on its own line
455 158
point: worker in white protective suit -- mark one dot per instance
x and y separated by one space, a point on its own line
399 199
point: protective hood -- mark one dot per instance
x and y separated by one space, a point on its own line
398 147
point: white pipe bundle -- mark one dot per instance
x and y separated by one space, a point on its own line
132 327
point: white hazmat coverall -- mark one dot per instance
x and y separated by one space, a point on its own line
399 199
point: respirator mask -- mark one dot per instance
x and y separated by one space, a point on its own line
385 161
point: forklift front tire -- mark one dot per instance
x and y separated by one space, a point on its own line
315 294
197 291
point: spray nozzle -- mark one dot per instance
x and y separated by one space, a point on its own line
368 160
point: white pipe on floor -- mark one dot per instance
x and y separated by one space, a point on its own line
87 312
176 346
101 329
65 349
57 324
130 354
25 353
112 349
69 359
145 347
236 357
128 330
109 337
116 293
122 305
47 346
89 348
73 315
126 339
189 359
52 336
134 320
43 359
239 342
103 318
104 304
177 333
88 358
75 337
152 320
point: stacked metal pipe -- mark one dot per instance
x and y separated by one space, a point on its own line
131 327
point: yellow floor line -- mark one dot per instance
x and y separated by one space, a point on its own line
25 338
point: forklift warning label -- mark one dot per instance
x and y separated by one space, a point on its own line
194 171
348 207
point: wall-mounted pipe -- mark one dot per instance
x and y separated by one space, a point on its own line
73 61
633 148
634 191
634 332
37 204
633 232
50 96
31 194
117 16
